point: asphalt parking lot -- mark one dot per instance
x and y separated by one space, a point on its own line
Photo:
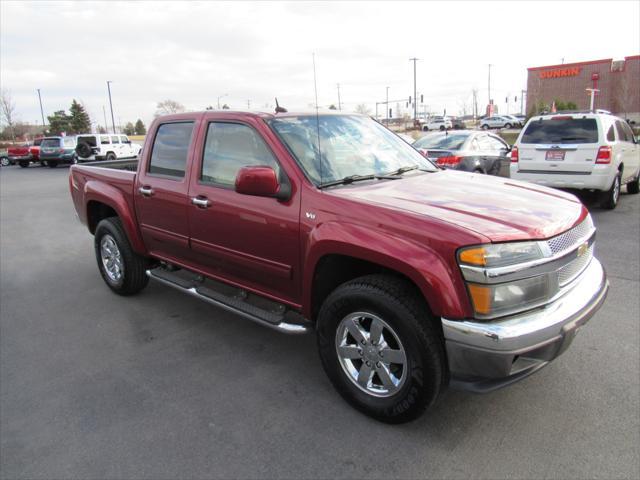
161 385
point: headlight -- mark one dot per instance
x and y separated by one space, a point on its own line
490 301
501 254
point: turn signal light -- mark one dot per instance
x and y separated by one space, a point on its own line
481 298
474 256
604 155
515 156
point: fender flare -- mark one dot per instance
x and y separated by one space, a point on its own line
101 192
442 288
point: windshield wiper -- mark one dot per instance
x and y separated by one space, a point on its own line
400 171
347 180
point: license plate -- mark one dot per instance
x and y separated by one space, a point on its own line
554 155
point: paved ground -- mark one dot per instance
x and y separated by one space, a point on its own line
161 385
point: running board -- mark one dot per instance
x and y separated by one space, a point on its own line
233 300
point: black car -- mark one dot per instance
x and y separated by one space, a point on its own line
467 150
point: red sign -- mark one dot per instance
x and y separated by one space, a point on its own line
560 72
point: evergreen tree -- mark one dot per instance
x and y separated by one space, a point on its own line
59 122
139 128
129 129
80 121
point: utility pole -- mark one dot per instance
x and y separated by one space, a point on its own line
415 90
522 92
219 97
113 120
387 106
248 104
41 111
106 125
339 104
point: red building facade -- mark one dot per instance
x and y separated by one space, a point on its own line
618 82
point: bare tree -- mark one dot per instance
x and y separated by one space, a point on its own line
363 109
167 107
7 111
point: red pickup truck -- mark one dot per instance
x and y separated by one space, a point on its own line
412 277
23 155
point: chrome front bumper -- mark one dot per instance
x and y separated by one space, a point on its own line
487 355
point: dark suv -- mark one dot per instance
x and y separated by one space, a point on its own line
57 150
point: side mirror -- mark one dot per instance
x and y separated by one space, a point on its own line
262 182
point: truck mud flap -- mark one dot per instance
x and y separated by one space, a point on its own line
253 307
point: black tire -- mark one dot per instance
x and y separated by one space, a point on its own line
51 164
507 125
633 186
425 129
398 303
610 197
43 163
23 163
441 128
4 161
110 157
133 275
84 150
485 127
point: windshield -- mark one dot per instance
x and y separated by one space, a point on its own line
452 141
350 145
561 130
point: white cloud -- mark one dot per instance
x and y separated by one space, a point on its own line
193 52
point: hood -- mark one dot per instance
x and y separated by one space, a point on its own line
501 209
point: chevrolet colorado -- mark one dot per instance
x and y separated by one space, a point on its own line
413 277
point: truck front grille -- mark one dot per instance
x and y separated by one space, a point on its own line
571 270
571 238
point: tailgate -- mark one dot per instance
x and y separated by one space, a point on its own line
560 143
578 158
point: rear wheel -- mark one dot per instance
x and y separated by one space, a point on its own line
111 156
23 163
634 185
380 348
425 129
507 125
4 161
485 127
441 128
123 270
611 196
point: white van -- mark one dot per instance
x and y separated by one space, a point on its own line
587 151
105 147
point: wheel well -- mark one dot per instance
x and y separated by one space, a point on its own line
334 270
97 211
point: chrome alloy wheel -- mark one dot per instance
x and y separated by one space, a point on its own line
111 258
616 189
371 354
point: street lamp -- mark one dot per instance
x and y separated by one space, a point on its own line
113 121
221 96
387 106
41 111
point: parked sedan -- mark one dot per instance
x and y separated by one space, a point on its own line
466 150
496 121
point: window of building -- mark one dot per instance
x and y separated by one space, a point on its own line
170 149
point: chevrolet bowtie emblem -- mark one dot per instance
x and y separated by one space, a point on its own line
582 249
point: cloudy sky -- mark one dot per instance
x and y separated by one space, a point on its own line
194 52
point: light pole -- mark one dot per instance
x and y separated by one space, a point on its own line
387 106
113 120
415 90
219 97
489 86
106 125
41 111
339 104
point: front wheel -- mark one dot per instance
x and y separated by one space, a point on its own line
633 186
425 129
4 161
485 127
110 156
123 270
611 196
380 348
507 125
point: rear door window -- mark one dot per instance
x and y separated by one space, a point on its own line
170 149
50 142
562 131
104 140
115 139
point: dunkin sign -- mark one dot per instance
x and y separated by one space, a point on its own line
560 72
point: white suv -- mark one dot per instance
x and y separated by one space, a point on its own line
587 151
105 147
437 123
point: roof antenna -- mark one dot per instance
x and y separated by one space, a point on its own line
315 87
280 109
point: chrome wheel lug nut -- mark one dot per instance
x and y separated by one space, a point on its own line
378 364
368 363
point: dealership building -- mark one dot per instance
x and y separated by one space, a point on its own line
617 83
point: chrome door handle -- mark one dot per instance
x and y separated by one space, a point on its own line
200 202
146 191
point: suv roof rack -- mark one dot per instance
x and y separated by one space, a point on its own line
564 112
